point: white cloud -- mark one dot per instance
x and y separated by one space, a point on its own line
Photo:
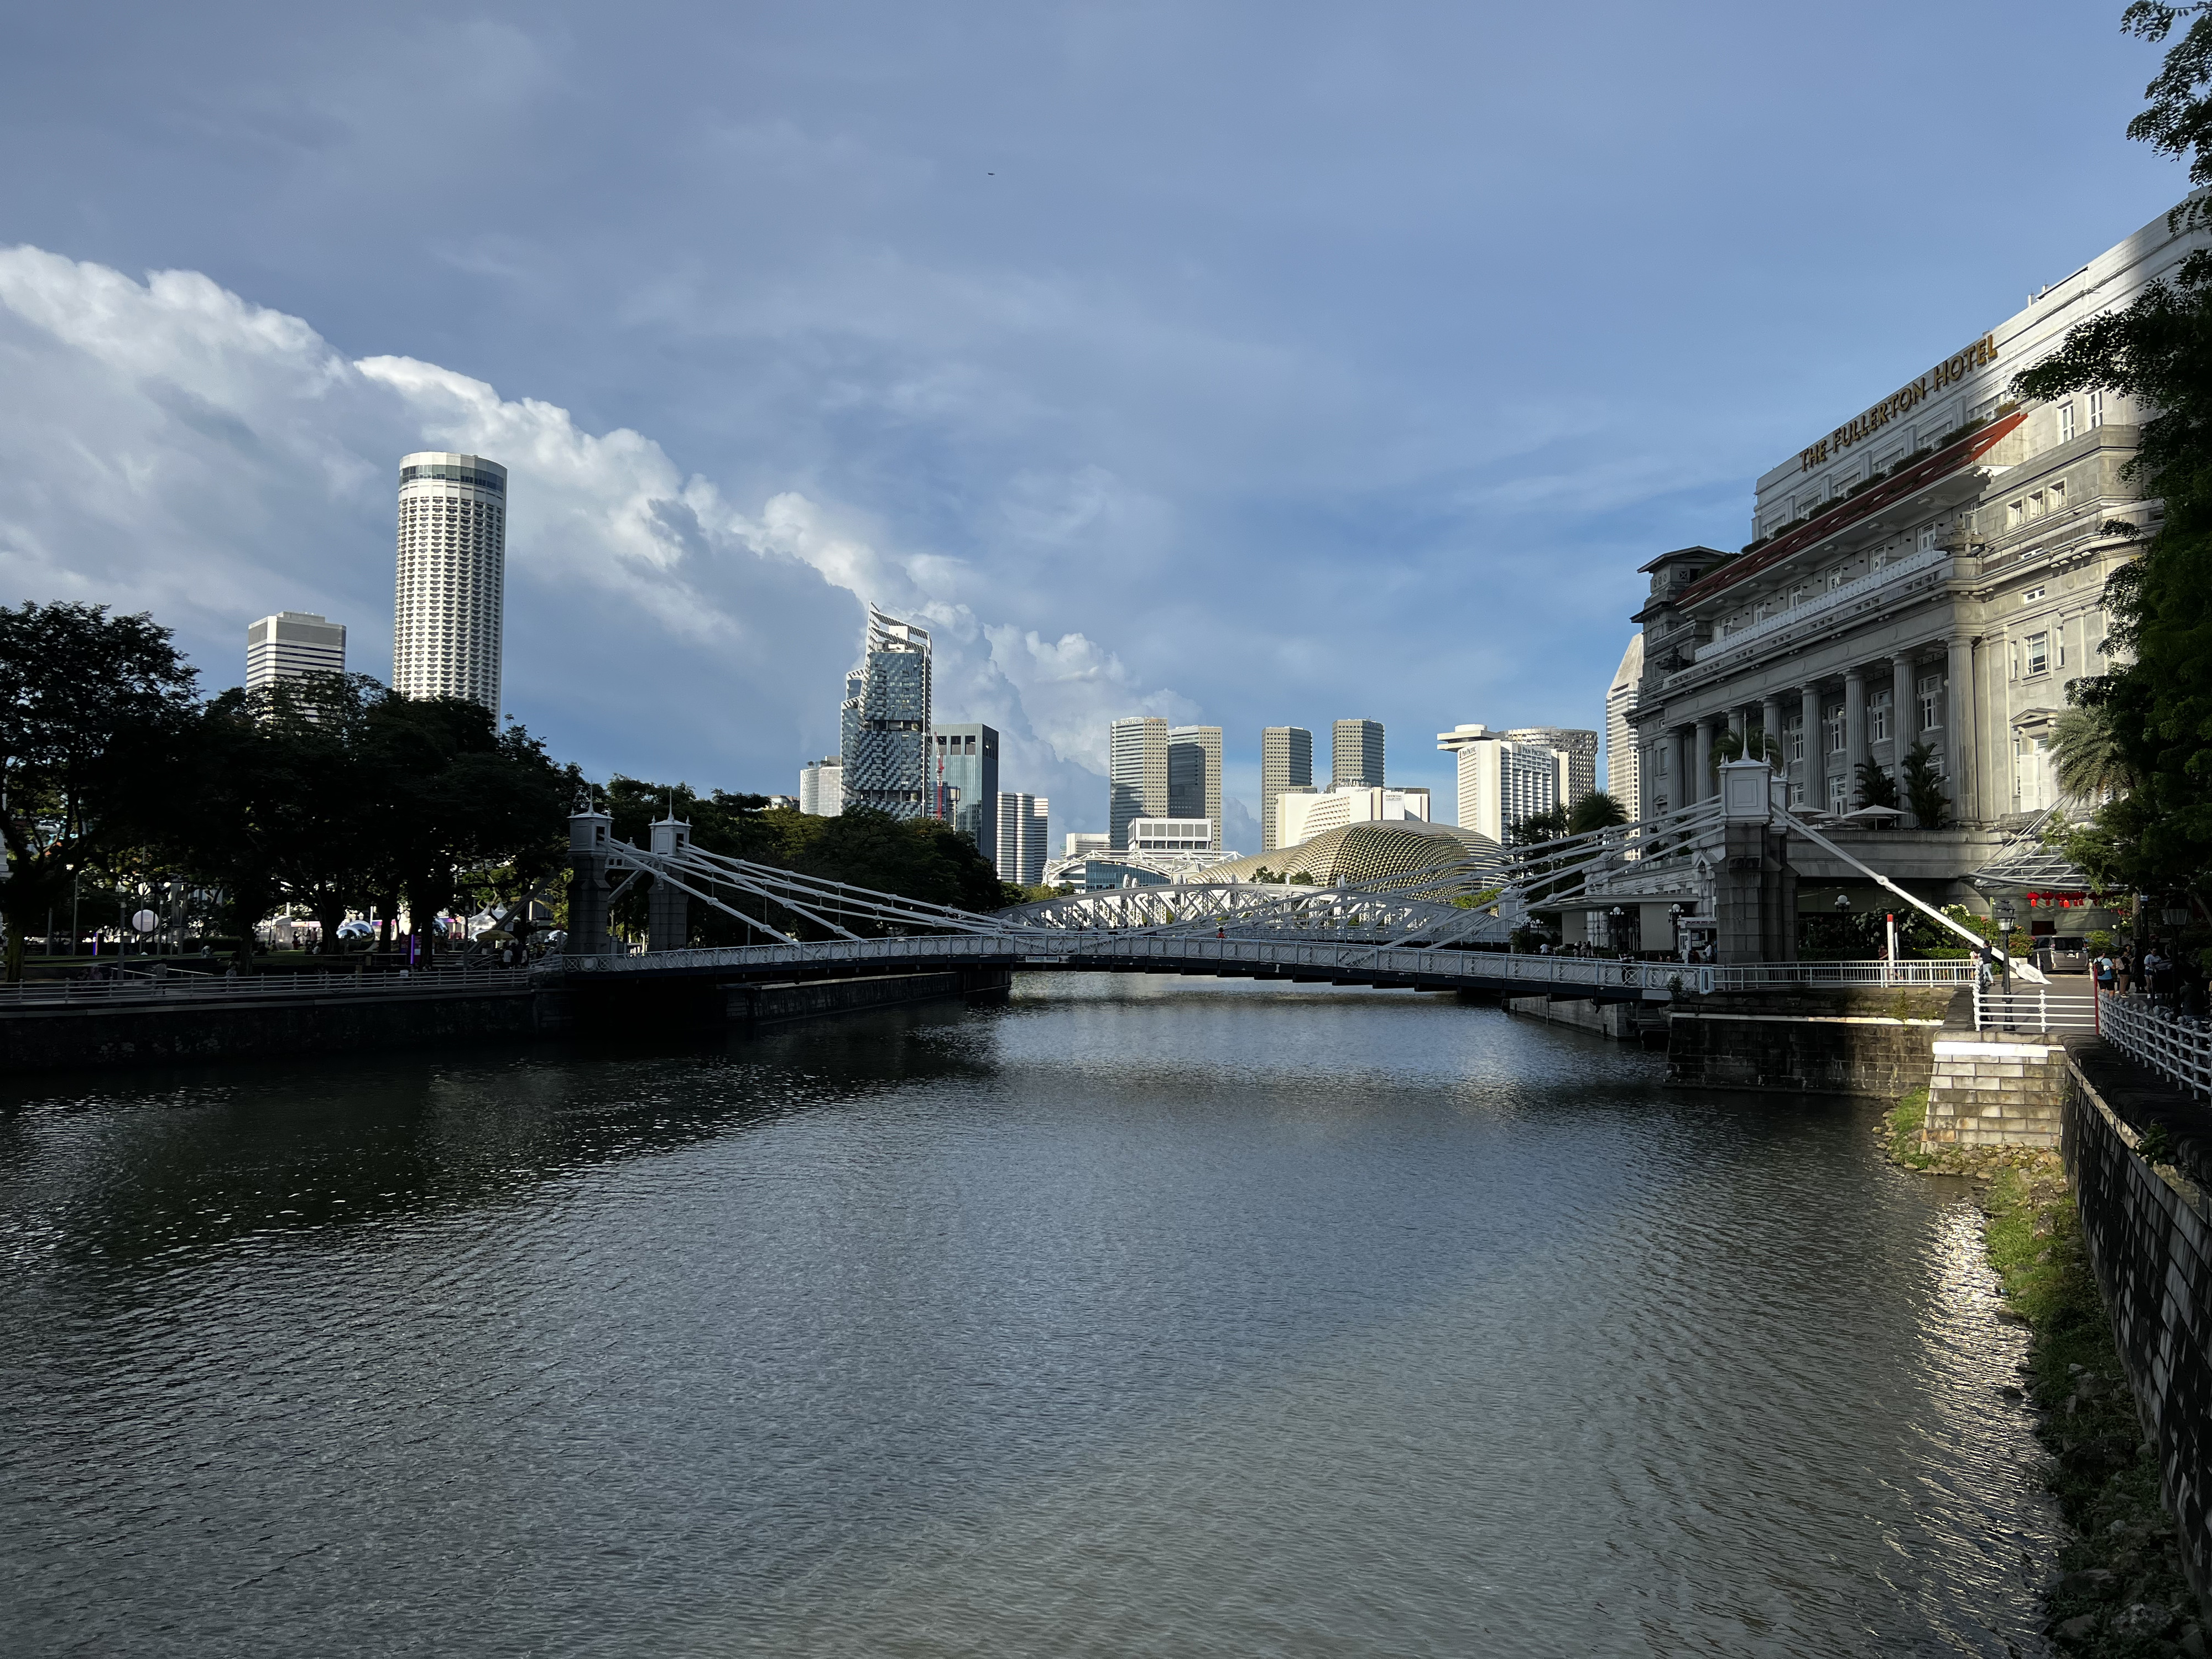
177 449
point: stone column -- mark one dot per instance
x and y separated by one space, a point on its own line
1736 722
1678 769
1701 785
1903 725
1769 722
1855 736
1958 732
1809 706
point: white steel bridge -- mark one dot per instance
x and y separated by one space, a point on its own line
1448 928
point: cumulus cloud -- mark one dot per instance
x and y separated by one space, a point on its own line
178 449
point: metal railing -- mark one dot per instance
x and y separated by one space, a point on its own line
2181 1055
140 987
1834 975
2036 1010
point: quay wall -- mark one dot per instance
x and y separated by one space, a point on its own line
1624 1022
1876 1041
1987 1091
2148 1231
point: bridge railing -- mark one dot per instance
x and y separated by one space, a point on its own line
2036 1009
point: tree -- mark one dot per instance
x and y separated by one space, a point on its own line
2155 752
1877 787
1538 828
2085 755
87 702
1923 788
1596 811
1755 744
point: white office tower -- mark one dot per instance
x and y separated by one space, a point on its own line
1302 814
822 788
452 576
1501 782
1136 775
1173 835
292 643
1084 843
1577 747
1623 780
1022 820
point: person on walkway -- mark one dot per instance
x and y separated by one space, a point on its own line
2104 969
2123 967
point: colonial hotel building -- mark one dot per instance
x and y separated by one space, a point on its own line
1931 571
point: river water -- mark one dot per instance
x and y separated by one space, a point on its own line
1136 1317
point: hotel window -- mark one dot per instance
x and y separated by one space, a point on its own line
1931 702
1935 761
2066 423
1833 720
2035 504
1796 794
2058 494
1878 717
2039 654
1800 593
1795 730
1837 578
2031 596
2096 410
1837 787
1927 539
2015 512
1876 563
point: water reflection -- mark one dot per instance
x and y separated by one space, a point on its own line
1137 1317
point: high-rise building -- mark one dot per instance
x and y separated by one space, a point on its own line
887 750
1021 838
822 787
1136 773
292 643
1082 843
1501 782
964 781
1356 762
1623 780
447 614
1194 774
1285 764
1578 749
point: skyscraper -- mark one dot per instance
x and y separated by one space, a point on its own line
292 643
445 627
1285 764
1578 747
1357 760
822 787
885 716
1195 775
1136 773
1623 769
1501 782
964 779
1021 838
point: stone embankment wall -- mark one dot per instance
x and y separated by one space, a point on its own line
33 1039
1871 1042
1991 1093
2149 1234
1624 1022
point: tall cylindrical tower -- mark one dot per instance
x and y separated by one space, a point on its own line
452 577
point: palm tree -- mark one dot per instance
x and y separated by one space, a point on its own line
2085 759
1755 744
1596 811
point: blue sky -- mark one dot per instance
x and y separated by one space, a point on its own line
1243 363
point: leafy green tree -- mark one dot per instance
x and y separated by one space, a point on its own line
1538 828
1596 811
2155 748
2085 758
90 705
1877 787
1923 789
1754 744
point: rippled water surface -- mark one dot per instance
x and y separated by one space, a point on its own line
1139 1317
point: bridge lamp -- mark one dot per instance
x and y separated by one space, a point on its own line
1843 903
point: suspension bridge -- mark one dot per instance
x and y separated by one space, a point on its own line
1719 868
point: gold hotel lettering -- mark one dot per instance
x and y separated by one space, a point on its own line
1979 354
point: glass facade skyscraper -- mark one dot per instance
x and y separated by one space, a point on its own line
887 752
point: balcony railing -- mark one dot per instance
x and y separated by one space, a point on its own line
1833 598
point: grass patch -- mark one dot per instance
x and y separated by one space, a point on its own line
2123 1593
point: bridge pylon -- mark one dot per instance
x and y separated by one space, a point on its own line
591 858
668 907
1754 888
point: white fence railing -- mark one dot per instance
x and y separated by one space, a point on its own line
138 987
2179 1053
2037 1009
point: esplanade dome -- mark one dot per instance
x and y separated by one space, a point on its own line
1372 851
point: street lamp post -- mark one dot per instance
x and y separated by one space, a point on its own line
2005 914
